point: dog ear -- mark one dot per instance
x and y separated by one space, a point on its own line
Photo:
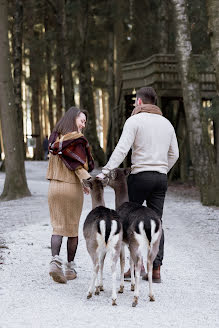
127 171
87 183
113 174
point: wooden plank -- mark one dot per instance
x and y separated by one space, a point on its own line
161 70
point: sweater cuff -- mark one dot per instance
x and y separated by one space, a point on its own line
105 171
82 174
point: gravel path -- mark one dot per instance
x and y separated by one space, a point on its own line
187 297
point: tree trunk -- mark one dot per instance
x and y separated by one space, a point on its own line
111 92
201 150
17 56
1 141
35 86
87 102
65 57
48 68
86 88
118 35
163 28
213 30
213 26
58 93
59 80
15 185
119 7
105 118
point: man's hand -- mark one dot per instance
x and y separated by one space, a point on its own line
100 176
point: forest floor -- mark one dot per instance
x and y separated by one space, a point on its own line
187 297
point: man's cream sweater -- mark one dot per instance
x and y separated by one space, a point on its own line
153 142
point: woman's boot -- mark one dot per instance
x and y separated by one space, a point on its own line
70 272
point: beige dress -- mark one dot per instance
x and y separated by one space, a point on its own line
65 197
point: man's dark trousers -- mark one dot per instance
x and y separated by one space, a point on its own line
150 186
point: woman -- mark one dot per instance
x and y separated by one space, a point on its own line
69 162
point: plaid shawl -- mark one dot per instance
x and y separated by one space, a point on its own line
73 149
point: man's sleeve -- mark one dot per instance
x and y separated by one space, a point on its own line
173 153
125 143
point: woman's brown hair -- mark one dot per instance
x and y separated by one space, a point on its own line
67 123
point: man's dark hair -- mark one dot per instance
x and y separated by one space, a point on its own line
147 95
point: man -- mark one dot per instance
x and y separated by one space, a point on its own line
154 152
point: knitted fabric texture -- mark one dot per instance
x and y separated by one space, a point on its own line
147 108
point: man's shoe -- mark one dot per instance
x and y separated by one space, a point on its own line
128 273
155 275
70 272
55 270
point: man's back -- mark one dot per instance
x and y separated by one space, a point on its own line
154 137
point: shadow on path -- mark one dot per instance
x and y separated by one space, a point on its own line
3 247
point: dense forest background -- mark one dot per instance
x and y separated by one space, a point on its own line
63 53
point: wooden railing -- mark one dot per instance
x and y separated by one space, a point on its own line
161 71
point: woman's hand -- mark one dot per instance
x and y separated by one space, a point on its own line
86 184
86 190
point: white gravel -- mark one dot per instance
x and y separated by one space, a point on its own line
188 296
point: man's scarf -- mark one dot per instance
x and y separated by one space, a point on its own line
147 108
73 149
